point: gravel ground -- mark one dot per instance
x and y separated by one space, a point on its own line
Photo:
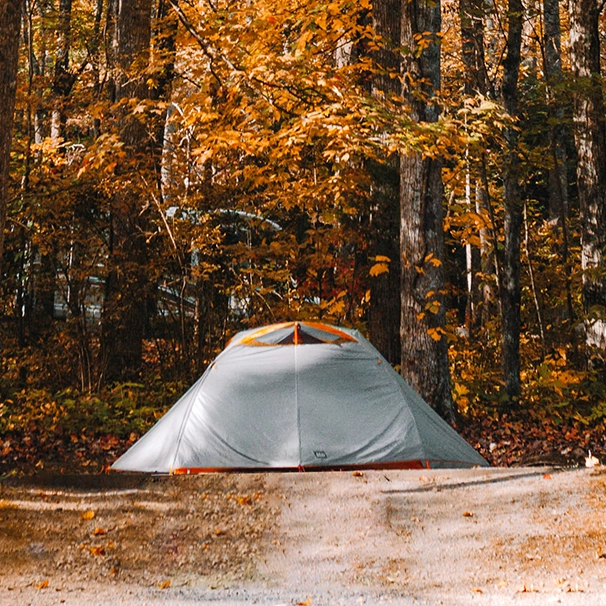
453 537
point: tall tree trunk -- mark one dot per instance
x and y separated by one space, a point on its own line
10 25
125 306
552 65
510 279
481 292
557 181
472 42
590 139
385 306
423 319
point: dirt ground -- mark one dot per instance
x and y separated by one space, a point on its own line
488 537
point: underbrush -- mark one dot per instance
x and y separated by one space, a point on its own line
75 430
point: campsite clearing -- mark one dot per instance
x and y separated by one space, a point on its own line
455 537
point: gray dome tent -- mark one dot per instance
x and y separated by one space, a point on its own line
298 395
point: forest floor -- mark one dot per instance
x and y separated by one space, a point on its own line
529 536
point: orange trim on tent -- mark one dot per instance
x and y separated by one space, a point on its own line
331 329
252 338
395 465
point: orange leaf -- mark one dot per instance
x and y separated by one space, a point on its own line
99 531
97 551
245 500
164 585
468 514
42 585
88 515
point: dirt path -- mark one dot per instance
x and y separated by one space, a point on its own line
486 537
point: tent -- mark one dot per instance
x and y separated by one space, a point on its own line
298 396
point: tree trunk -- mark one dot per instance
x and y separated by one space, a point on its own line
125 305
472 41
63 80
590 139
481 291
384 308
557 181
10 24
423 319
510 279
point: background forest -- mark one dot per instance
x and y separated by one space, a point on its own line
172 171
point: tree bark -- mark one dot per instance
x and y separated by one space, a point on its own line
590 139
423 314
510 278
557 180
125 305
10 25
472 42
384 308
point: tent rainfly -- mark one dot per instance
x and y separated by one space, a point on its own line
299 396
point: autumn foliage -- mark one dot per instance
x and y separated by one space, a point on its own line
223 174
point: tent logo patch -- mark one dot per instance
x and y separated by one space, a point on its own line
320 454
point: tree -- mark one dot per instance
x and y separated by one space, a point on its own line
558 171
423 319
385 305
512 203
10 23
590 139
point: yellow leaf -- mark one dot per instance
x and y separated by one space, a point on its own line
434 334
42 585
88 515
379 268
164 585
433 260
461 389
382 259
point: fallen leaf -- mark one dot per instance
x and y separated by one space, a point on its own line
99 531
88 515
525 589
476 590
468 514
97 551
42 585
306 603
164 585
358 474
219 532
245 500
547 476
